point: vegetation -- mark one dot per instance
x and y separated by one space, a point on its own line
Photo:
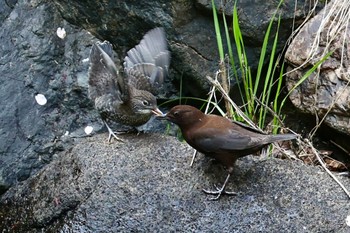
256 105
260 106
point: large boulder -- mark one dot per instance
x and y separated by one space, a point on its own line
35 60
147 185
326 92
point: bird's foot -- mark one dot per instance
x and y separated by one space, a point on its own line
111 133
218 192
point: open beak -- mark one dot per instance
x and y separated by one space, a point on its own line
158 113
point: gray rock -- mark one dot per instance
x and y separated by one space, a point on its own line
327 94
146 185
189 27
5 9
254 16
35 60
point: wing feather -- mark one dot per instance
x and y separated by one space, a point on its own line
103 73
229 140
150 58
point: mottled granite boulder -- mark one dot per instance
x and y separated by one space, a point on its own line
326 93
147 185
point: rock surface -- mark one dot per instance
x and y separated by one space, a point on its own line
146 185
325 94
35 60
189 27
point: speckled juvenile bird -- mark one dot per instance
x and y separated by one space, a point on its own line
220 138
125 96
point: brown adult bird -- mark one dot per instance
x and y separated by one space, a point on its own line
126 96
220 138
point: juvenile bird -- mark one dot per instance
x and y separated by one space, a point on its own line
220 138
126 96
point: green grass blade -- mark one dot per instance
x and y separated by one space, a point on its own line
217 32
264 49
243 64
276 106
269 77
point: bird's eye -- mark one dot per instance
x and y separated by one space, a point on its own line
145 103
176 113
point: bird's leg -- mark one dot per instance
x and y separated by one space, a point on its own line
220 191
111 133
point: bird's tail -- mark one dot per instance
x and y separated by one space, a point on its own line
282 137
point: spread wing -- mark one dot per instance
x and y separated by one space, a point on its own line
103 73
147 64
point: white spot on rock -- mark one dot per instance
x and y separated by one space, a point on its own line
61 33
40 99
88 130
347 220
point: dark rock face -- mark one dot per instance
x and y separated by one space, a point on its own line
189 27
254 16
5 9
35 60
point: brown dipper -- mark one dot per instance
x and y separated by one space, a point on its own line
220 138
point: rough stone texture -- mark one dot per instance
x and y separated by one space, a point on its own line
326 93
146 185
34 60
254 16
190 29
5 9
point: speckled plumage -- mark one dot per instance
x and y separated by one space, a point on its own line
126 96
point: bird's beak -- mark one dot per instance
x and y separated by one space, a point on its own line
157 112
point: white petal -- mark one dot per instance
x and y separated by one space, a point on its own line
88 130
61 33
347 220
40 99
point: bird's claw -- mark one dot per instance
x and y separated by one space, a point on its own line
111 133
218 192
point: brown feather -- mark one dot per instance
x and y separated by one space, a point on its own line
219 137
